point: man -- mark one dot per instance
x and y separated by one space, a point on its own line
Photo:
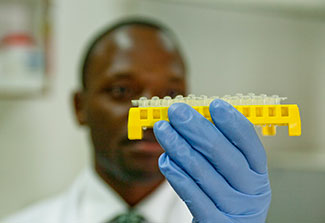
218 169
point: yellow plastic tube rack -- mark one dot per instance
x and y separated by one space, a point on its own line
268 116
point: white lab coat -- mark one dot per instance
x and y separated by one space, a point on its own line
90 200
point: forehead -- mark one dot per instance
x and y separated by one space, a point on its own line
135 47
136 36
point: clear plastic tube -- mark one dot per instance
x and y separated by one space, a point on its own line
203 100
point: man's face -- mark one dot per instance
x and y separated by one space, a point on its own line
131 62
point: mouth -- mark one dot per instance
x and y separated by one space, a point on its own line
148 146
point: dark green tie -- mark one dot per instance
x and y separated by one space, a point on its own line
129 217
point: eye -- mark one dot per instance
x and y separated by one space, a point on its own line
121 92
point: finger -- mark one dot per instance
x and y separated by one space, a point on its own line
204 175
205 137
240 132
200 205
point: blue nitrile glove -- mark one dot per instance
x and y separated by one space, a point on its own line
220 169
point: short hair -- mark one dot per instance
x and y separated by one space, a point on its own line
121 24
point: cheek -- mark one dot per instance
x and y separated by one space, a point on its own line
107 118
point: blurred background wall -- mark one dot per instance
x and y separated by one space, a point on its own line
231 47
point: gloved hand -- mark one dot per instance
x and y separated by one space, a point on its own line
219 170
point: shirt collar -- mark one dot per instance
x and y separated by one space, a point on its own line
99 202
156 207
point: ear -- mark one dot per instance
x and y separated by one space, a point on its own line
79 107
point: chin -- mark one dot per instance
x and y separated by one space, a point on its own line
145 176
131 165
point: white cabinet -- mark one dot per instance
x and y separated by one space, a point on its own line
24 47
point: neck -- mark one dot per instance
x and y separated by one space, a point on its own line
132 192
